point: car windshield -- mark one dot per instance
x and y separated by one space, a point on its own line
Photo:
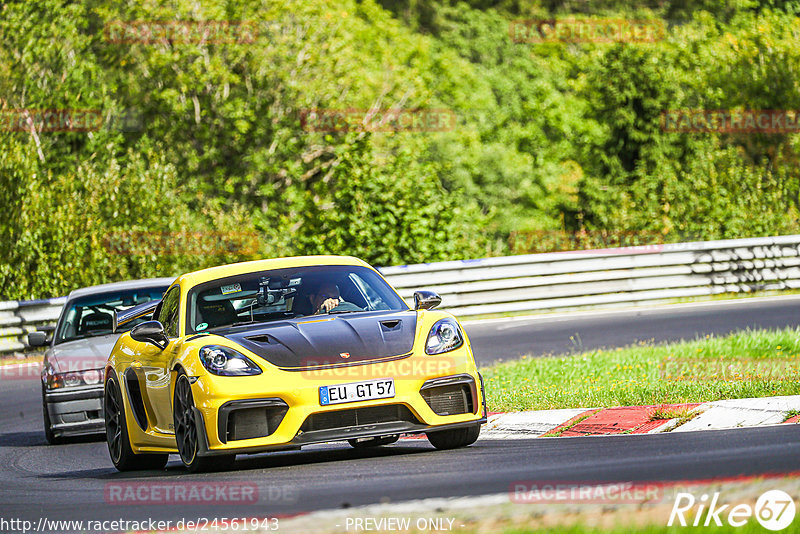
286 293
93 315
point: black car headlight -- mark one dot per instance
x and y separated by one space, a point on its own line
444 336
225 361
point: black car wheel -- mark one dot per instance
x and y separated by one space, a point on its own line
119 445
186 431
455 438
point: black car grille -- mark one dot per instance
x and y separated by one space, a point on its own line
358 416
451 399
257 422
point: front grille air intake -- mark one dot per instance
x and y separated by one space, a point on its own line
371 415
450 396
247 419
449 400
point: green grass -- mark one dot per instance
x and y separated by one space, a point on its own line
747 364
662 412
682 415
561 429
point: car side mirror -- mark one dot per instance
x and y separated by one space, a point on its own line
426 300
37 339
150 332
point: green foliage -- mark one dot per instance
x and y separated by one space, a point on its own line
203 157
522 120
215 165
642 179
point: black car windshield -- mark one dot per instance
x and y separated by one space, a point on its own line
92 315
287 293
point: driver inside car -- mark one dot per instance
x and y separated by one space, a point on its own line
327 298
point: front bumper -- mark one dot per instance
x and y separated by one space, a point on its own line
297 409
324 436
75 412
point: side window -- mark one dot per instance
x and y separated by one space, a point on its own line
168 315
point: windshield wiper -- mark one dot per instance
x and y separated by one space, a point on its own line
256 321
240 323
344 311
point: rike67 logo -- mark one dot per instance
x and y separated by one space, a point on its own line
774 510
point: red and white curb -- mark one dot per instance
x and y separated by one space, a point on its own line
523 425
716 415
735 413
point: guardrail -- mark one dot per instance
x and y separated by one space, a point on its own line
609 277
18 318
552 281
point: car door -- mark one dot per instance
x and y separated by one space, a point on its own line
155 364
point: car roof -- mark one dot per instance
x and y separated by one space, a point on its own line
223 271
121 286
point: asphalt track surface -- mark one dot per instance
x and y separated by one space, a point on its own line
74 481
568 333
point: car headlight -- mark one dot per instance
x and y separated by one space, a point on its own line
72 379
225 361
444 336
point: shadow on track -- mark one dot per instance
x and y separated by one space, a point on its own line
244 464
319 456
35 438
23 439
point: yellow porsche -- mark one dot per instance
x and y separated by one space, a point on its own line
275 354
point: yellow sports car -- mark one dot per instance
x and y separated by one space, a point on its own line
276 354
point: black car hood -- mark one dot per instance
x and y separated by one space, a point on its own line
326 340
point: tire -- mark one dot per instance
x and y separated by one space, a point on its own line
187 434
373 442
455 438
51 438
119 443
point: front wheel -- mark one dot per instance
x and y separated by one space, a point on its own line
119 444
455 438
186 431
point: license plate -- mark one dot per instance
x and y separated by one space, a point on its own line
356 391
